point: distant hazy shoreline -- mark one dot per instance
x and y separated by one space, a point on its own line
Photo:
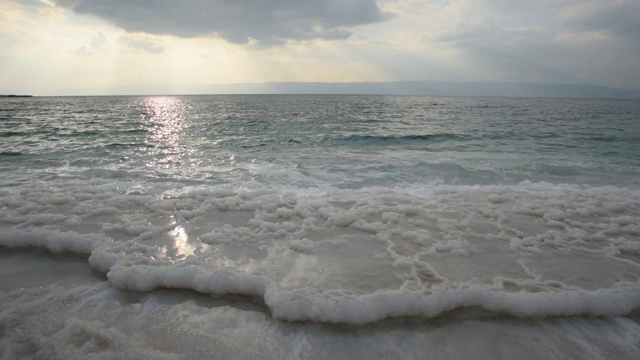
434 88
422 87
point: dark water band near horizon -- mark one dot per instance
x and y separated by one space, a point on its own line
319 226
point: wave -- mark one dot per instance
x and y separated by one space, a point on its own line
613 139
11 153
33 132
335 306
135 131
349 256
386 139
13 133
129 145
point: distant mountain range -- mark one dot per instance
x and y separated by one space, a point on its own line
427 87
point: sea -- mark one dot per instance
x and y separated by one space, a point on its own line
319 227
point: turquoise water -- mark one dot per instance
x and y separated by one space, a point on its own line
319 138
319 227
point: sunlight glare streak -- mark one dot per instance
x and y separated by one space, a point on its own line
165 120
181 242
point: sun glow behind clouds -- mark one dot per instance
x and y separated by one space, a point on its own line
48 50
59 54
56 50
52 51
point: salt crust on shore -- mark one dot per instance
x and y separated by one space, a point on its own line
349 256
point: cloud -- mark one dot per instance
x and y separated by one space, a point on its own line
543 41
620 18
237 21
98 41
142 44
487 18
34 3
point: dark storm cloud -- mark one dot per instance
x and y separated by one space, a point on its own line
237 21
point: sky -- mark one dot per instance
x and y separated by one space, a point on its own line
92 47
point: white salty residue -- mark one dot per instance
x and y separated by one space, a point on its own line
352 256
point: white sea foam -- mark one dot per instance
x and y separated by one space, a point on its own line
351 256
52 240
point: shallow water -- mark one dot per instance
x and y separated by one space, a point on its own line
350 226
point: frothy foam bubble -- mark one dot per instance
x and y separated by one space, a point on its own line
351 256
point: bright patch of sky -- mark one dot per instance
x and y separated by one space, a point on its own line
51 47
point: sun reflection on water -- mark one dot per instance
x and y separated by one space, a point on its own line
181 242
166 120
